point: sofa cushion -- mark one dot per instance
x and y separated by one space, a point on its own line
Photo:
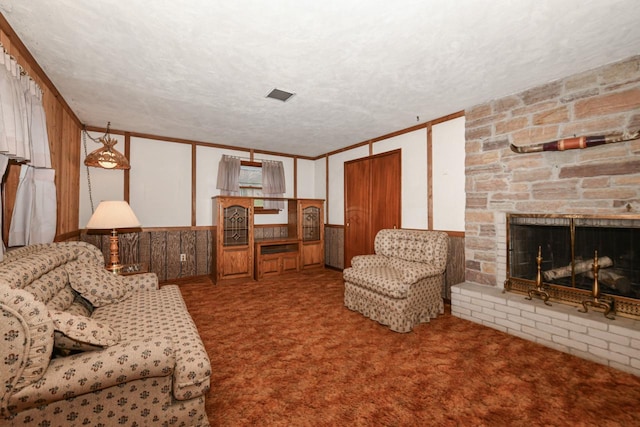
81 333
163 313
96 284
383 280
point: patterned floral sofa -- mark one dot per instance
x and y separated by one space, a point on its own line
403 283
81 346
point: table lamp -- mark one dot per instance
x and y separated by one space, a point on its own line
112 215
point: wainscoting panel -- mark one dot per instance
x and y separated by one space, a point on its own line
334 246
161 249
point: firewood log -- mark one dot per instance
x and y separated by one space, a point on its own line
580 267
613 280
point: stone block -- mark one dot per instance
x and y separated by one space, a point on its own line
531 109
480 243
480 278
600 169
511 125
478 132
542 93
484 121
535 135
559 190
472 265
495 144
609 193
477 112
531 175
610 103
598 182
556 115
587 93
581 81
594 126
610 152
484 158
479 216
505 104
620 71
548 206
503 197
492 185
476 201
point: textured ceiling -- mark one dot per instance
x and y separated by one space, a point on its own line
201 69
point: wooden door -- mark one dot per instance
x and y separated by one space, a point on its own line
372 201
356 209
385 194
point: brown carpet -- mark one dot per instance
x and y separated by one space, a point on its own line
286 352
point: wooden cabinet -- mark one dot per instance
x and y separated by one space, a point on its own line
233 231
274 257
237 255
372 188
311 232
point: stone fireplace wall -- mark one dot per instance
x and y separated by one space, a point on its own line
601 180
596 180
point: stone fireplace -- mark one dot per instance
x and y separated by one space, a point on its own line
599 181
553 256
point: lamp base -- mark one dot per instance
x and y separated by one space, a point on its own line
114 261
114 268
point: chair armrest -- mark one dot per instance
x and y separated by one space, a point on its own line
142 281
369 261
90 371
415 271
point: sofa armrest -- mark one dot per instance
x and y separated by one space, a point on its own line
369 261
90 371
142 281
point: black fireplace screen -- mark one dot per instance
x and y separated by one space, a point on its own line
568 245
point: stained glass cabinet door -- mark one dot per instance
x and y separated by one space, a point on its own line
233 253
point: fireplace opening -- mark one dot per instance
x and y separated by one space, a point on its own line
567 246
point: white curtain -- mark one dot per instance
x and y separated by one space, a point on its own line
24 139
229 176
4 162
273 184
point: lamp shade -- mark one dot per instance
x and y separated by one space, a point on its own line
112 214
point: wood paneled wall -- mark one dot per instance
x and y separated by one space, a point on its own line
63 128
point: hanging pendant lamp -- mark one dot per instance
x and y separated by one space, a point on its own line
106 156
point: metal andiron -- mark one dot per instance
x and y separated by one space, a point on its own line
539 291
596 300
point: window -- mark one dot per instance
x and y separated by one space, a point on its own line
251 185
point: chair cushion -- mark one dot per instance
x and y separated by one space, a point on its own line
384 280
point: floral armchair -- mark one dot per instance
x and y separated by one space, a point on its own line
402 284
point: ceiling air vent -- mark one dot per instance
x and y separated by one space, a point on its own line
280 95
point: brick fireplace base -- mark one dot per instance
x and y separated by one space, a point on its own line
615 343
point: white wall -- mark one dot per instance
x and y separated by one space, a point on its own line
306 179
449 198
160 182
105 184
